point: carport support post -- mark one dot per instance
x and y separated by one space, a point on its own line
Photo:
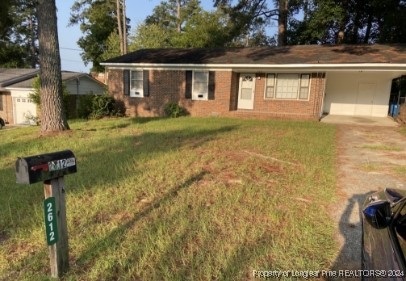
58 252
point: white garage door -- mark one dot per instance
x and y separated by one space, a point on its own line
357 94
24 107
365 99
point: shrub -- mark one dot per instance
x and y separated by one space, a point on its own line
85 106
174 110
104 106
35 96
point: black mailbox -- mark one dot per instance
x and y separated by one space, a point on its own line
45 166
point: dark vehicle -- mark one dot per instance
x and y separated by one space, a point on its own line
384 236
2 123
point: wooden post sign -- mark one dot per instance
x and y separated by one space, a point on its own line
50 169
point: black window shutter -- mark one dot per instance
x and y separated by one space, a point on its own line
188 88
146 83
212 85
126 82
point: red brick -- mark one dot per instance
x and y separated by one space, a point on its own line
169 86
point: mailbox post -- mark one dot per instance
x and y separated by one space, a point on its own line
50 169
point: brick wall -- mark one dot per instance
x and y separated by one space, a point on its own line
296 109
169 86
6 109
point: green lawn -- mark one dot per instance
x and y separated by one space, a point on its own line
176 199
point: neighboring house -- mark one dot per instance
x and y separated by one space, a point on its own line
16 85
302 82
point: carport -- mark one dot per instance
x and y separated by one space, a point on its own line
358 93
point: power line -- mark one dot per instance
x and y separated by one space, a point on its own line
72 49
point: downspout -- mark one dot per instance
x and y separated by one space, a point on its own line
7 108
77 96
399 94
77 85
324 95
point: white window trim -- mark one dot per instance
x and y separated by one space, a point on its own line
298 89
200 96
140 93
266 86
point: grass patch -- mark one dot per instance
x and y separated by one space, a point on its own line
176 199
371 167
401 170
383 147
402 130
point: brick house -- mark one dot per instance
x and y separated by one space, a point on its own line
17 83
301 82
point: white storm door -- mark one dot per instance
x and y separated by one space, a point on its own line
246 91
365 99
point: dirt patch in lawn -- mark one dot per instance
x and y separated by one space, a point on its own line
256 161
366 163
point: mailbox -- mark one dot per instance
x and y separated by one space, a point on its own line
45 167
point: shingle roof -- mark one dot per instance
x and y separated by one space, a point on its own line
10 76
300 54
27 83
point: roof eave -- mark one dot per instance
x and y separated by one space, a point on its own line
312 67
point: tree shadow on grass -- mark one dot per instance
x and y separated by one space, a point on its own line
104 164
114 160
98 168
117 235
144 120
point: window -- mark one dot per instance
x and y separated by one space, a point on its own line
200 85
270 86
287 86
304 86
137 84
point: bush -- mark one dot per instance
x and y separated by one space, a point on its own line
102 106
85 106
174 110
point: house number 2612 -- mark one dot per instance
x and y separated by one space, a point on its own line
51 227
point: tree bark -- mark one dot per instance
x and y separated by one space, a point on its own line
179 19
343 23
120 29
125 43
282 22
53 118
33 55
368 30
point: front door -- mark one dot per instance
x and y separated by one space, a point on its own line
246 91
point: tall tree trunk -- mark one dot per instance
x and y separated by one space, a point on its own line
369 27
179 23
343 23
125 43
53 117
120 30
32 42
360 7
282 22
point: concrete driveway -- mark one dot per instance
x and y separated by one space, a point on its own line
360 120
370 158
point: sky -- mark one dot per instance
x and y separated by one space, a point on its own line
137 11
